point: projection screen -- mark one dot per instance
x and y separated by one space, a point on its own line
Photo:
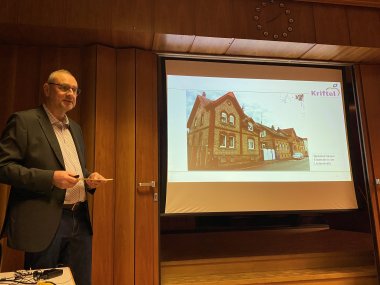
245 137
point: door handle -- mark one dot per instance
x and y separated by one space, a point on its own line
148 184
151 184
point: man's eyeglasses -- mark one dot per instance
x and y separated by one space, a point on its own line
66 88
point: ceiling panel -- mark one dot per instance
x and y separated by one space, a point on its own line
209 45
268 48
172 43
324 52
359 54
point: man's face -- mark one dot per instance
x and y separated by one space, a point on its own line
61 93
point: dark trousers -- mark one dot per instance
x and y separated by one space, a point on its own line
71 247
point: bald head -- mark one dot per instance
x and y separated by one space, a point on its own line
56 73
60 92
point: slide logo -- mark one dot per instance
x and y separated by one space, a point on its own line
329 92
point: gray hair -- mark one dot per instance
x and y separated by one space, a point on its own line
54 74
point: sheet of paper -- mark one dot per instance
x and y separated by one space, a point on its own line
89 179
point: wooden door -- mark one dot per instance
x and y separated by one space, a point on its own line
136 212
146 212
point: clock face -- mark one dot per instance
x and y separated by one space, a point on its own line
273 19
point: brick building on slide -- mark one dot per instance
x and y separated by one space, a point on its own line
220 135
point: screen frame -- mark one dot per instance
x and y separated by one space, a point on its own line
352 119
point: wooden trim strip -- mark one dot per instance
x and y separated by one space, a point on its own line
363 3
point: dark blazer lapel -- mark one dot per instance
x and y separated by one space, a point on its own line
50 135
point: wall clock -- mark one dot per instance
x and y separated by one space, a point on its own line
273 13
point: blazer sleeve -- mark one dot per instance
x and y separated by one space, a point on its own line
13 151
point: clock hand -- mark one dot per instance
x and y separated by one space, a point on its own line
274 18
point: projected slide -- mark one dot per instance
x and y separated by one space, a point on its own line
261 125
245 137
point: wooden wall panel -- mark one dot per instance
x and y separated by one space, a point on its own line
331 25
364 25
43 12
104 199
133 23
367 79
8 11
8 64
19 70
370 76
174 17
8 60
244 25
132 15
146 231
94 21
24 70
27 78
87 15
50 60
304 23
124 250
122 39
213 18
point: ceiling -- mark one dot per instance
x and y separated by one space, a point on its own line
260 48
21 29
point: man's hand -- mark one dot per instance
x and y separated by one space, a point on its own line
95 179
63 179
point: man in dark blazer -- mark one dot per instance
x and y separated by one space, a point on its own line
42 158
